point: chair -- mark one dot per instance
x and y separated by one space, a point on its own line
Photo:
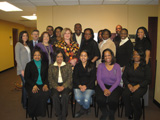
49 102
74 102
121 105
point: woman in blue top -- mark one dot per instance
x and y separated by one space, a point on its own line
36 76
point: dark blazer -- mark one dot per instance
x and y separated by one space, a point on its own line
82 40
84 76
31 74
124 53
30 44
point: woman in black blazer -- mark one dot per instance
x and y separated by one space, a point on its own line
36 76
136 76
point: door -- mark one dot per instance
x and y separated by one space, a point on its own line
15 40
152 29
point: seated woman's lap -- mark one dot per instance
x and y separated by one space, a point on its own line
83 95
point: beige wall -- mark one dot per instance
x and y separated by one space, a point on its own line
157 82
96 16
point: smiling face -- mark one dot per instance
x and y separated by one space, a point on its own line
78 29
58 32
37 56
118 29
107 57
50 30
123 34
87 35
67 35
24 37
83 57
59 58
45 38
105 35
140 33
136 56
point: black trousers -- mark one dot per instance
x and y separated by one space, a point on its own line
132 102
112 99
61 102
37 102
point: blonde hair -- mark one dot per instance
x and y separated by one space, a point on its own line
64 31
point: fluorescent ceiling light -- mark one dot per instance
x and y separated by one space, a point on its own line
32 17
5 6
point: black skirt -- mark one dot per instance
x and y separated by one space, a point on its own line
37 102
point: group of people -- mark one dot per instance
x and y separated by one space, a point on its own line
60 62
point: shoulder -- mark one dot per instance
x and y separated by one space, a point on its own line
101 65
117 65
19 44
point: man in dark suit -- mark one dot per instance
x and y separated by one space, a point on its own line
34 41
50 30
78 36
117 38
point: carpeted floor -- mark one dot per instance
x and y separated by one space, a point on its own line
11 108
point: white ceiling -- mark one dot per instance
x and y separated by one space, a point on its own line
29 7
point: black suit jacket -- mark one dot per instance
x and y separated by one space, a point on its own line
30 44
31 74
82 40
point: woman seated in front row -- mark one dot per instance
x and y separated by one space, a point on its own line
136 78
84 77
36 74
108 90
60 83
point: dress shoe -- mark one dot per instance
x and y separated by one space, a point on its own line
34 118
81 112
103 117
130 117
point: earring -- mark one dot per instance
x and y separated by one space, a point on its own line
144 35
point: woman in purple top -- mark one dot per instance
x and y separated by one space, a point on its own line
108 89
46 48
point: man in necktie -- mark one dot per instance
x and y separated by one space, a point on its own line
35 39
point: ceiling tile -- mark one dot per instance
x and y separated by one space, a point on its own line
115 1
67 2
138 2
154 2
91 2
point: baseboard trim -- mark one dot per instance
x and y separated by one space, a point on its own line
6 69
156 103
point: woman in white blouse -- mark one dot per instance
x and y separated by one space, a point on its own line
22 56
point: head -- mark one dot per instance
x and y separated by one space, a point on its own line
106 34
59 56
37 55
57 31
66 34
50 30
23 37
142 33
78 28
118 29
35 35
139 56
45 37
84 56
88 34
124 33
99 37
108 56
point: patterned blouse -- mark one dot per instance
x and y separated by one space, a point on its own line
71 50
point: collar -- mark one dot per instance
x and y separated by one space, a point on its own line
79 35
124 41
62 64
